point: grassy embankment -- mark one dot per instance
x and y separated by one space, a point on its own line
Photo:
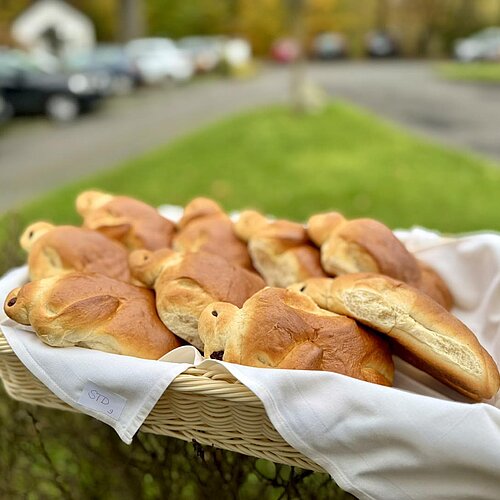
481 72
341 159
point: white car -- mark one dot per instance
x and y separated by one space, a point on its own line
484 45
159 59
237 52
204 51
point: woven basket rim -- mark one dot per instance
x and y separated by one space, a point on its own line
208 381
209 384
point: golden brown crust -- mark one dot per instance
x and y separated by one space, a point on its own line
249 223
185 283
205 227
362 245
277 328
281 250
223 281
197 208
63 249
320 226
94 311
434 340
434 286
130 221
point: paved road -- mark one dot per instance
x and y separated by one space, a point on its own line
458 114
36 156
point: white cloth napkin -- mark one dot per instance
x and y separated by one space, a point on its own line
419 440
118 390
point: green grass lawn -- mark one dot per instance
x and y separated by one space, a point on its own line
290 166
487 72
342 158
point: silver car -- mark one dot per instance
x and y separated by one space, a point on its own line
482 46
159 59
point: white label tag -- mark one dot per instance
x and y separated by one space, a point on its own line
102 400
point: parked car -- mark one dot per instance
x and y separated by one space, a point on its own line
205 52
237 52
285 50
328 46
111 59
381 44
27 89
482 46
159 59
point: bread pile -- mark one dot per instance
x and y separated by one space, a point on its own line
336 294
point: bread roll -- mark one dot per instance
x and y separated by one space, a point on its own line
428 336
185 283
281 250
434 286
361 245
130 221
57 250
277 328
206 227
93 311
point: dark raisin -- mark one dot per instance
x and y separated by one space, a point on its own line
217 355
30 235
303 288
12 301
215 313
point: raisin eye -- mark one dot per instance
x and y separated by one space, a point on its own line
30 235
12 301
303 288
215 313
217 355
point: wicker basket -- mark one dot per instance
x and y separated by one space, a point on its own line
209 407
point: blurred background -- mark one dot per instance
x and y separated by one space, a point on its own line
381 108
123 76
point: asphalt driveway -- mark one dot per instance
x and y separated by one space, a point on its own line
463 115
36 156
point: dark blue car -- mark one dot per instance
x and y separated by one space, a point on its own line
110 59
26 89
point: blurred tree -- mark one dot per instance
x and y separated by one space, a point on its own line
9 9
382 14
262 21
194 17
322 16
131 19
430 16
429 27
298 82
104 14
423 27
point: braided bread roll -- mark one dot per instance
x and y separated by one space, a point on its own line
185 283
57 250
130 221
367 245
206 227
426 335
281 250
93 311
434 286
278 328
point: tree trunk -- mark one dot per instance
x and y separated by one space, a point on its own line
381 15
131 17
298 80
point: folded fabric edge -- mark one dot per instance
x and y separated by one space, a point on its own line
124 431
284 429
127 431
